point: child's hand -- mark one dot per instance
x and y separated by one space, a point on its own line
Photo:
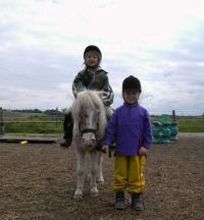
142 151
105 147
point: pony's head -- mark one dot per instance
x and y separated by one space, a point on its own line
89 118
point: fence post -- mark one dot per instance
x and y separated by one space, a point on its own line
173 115
1 122
56 116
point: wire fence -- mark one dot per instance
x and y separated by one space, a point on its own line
31 122
51 121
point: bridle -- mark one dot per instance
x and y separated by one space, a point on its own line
91 130
88 130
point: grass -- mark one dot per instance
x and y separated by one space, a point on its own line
42 123
191 124
34 127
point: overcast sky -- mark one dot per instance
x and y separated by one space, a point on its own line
160 42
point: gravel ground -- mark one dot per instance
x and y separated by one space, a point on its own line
37 181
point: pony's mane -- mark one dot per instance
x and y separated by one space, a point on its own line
91 98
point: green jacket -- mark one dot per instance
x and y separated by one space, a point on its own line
97 81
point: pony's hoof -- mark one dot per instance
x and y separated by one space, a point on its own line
78 195
100 182
94 192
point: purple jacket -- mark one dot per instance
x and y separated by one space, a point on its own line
130 128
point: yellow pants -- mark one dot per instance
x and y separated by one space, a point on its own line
129 174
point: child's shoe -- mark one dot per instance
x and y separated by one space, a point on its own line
66 142
137 202
120 201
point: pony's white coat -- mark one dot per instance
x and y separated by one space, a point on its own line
88 113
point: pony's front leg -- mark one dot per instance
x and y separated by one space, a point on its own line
100 178
80 175
94 174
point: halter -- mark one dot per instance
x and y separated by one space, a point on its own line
88 130
94 131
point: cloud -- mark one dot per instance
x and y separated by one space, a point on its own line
37 78
160 42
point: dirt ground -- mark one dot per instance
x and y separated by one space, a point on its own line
37 181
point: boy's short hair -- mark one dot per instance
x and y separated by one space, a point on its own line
131 82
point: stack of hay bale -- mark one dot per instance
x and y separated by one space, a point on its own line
165 130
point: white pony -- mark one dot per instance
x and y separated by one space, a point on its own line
89 126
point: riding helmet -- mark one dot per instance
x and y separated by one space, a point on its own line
93 48
131 82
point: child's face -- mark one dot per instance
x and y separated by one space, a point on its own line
91 59
131 96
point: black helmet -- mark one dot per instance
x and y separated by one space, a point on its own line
93 48
132 82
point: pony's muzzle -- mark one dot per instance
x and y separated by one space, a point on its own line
89 139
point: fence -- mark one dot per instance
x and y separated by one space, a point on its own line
1 122
51 121
31 122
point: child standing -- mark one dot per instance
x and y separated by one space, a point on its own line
129 127
92 77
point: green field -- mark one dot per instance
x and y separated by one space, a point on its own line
46 123
34 127
24 123
191 124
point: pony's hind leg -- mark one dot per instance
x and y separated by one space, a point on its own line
80 175
94 174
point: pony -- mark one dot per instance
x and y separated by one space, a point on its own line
90 121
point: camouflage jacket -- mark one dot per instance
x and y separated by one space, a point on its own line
94 81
